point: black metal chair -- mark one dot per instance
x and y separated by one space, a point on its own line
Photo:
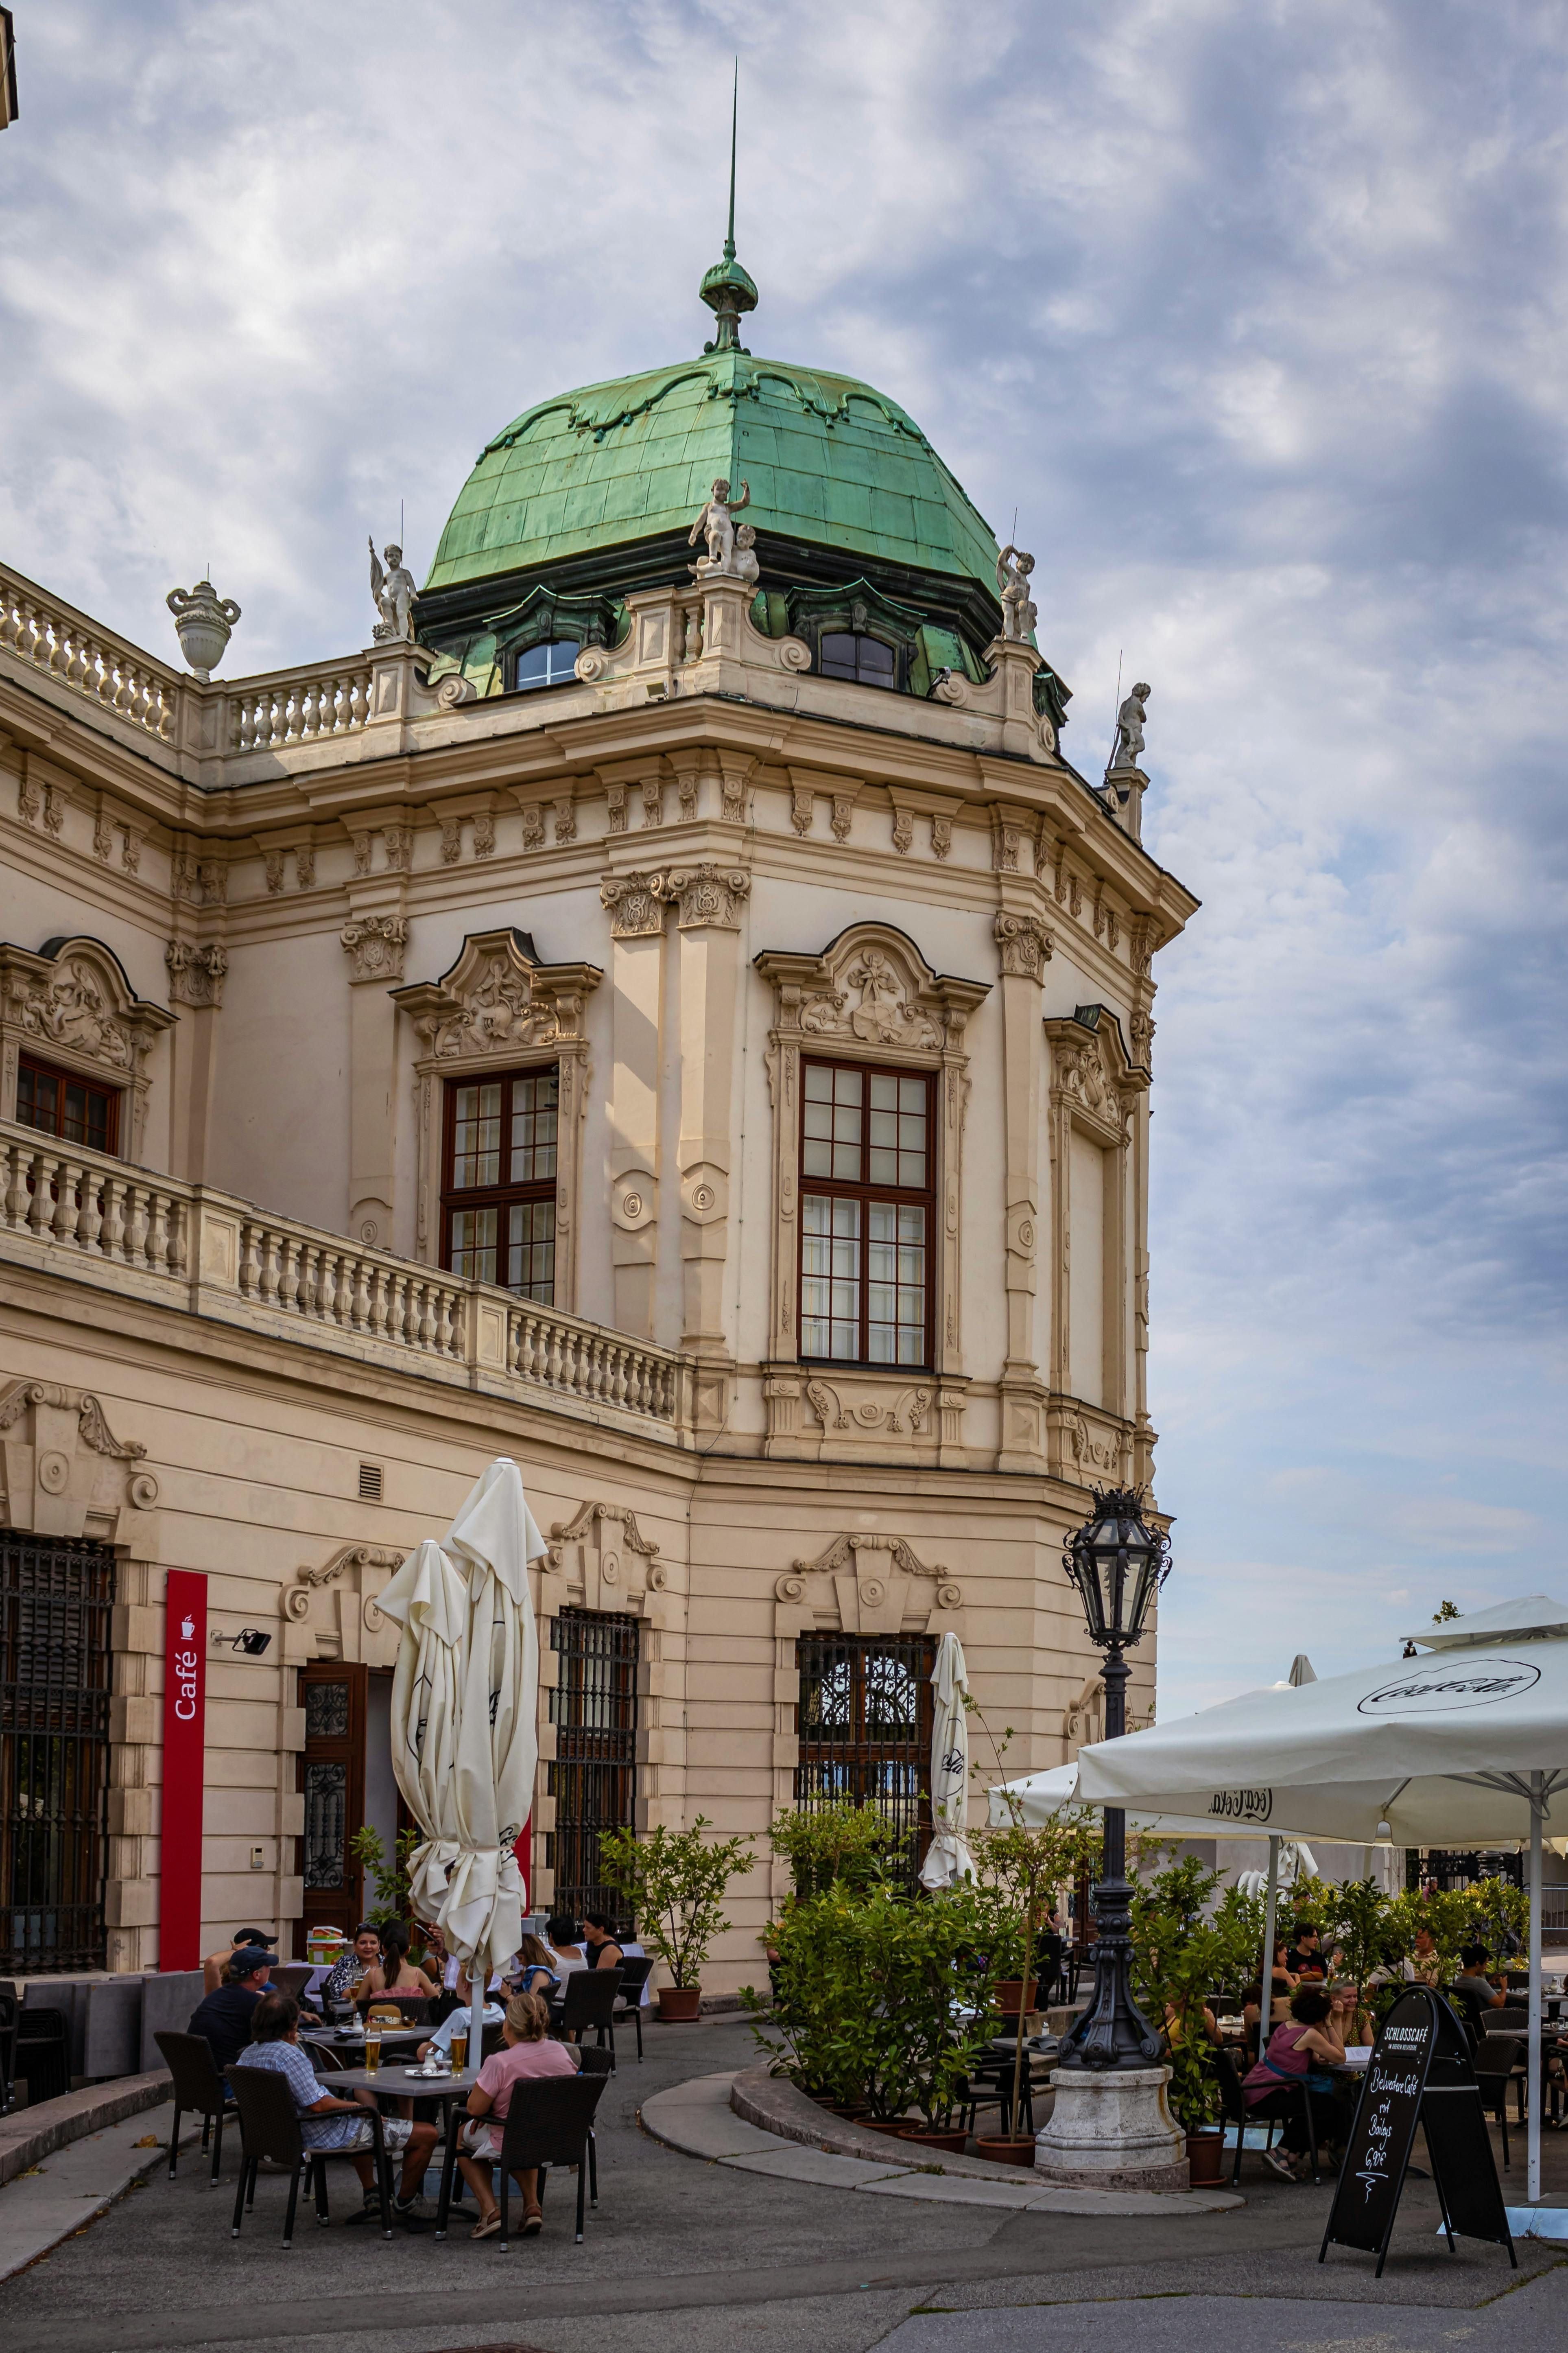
589 2000
10 2011
269 2128
551 2122
1497 2058
42 2053
1236 2110
199 2090
636 1970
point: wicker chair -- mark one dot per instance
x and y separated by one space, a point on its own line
550 2122
269 2127
199 2090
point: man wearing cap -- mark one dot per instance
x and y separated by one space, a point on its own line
215 1965
223 2017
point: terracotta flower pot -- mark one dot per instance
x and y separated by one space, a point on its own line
893 2125
947 2144
1205 2158
1006 2148
680 2004
1008 1990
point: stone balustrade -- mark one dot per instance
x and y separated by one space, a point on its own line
87 659
298 707
87 1216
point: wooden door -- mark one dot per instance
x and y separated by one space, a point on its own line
331 1776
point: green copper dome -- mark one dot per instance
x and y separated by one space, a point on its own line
830 460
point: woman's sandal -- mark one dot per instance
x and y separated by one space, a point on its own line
533 2221
488 2225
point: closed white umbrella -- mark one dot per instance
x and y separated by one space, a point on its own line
468 1775
1466 1746
948 1859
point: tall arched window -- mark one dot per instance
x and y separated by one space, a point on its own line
867 661
553 663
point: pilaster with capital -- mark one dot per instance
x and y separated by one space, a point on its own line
1024 945
708 899
637 906
374 939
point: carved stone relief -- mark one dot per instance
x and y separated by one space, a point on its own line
707 896
636 904
868 1584
337 1602
1026 945
600 1559
196 974
376 944
77 1007
66 1472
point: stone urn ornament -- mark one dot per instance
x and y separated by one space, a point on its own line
203 623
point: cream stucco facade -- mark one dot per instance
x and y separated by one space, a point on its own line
279 918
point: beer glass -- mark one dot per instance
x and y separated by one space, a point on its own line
459 2048
372 2047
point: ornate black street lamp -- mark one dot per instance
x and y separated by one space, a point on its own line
1118 1564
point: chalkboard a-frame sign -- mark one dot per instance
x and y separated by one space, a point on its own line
1420 2072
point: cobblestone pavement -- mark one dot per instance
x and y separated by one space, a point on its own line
686 2257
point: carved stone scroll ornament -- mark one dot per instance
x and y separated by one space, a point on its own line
905 1411
636 904
871 1584
707 896
295 1600
376 944
57 1456
602 1552
1096 1449
196 974
1026 945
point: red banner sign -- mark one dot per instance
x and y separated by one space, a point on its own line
184 1760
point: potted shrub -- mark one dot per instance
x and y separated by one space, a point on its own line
1020 1867
674 1882
817 2027
1183 1949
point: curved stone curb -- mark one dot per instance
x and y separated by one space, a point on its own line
720 2119
31 2133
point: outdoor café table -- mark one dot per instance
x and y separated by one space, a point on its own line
397 2082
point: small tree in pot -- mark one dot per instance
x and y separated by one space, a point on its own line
674 1881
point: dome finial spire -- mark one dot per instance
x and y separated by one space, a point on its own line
727 290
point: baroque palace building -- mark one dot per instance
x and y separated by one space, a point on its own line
676 1018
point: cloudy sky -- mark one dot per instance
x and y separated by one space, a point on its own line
1255 315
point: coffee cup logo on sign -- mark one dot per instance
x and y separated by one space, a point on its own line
1436 1687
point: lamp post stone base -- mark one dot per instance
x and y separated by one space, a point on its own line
1111 2128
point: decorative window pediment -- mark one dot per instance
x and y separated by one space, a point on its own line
1092 1073
72 1003
498 998
498 1004
871 988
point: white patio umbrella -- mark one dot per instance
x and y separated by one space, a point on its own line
948 1859
465 1737
1466 1746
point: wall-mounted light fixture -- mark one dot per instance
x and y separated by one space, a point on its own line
250 1641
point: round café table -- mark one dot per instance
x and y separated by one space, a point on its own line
397 2081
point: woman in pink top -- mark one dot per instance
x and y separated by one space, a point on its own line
528 2052
1299 2055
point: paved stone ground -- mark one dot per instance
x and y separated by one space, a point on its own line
684 2257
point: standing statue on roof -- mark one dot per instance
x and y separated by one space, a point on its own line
1018 615
716 524
1130 728
395 595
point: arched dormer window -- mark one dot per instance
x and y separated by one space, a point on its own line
867 661
553 663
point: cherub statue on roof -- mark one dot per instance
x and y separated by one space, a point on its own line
1130 728
1013 570
395 595
716 524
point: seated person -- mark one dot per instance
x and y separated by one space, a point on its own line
564 1939
460 2022
1299 2052
599 1938
529 2053
215 1965
344 1979
1472 1991
328 2123
1177 2032
1305 1958
533 1970
1424 1965
225 2017
395 1972
1352 2021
